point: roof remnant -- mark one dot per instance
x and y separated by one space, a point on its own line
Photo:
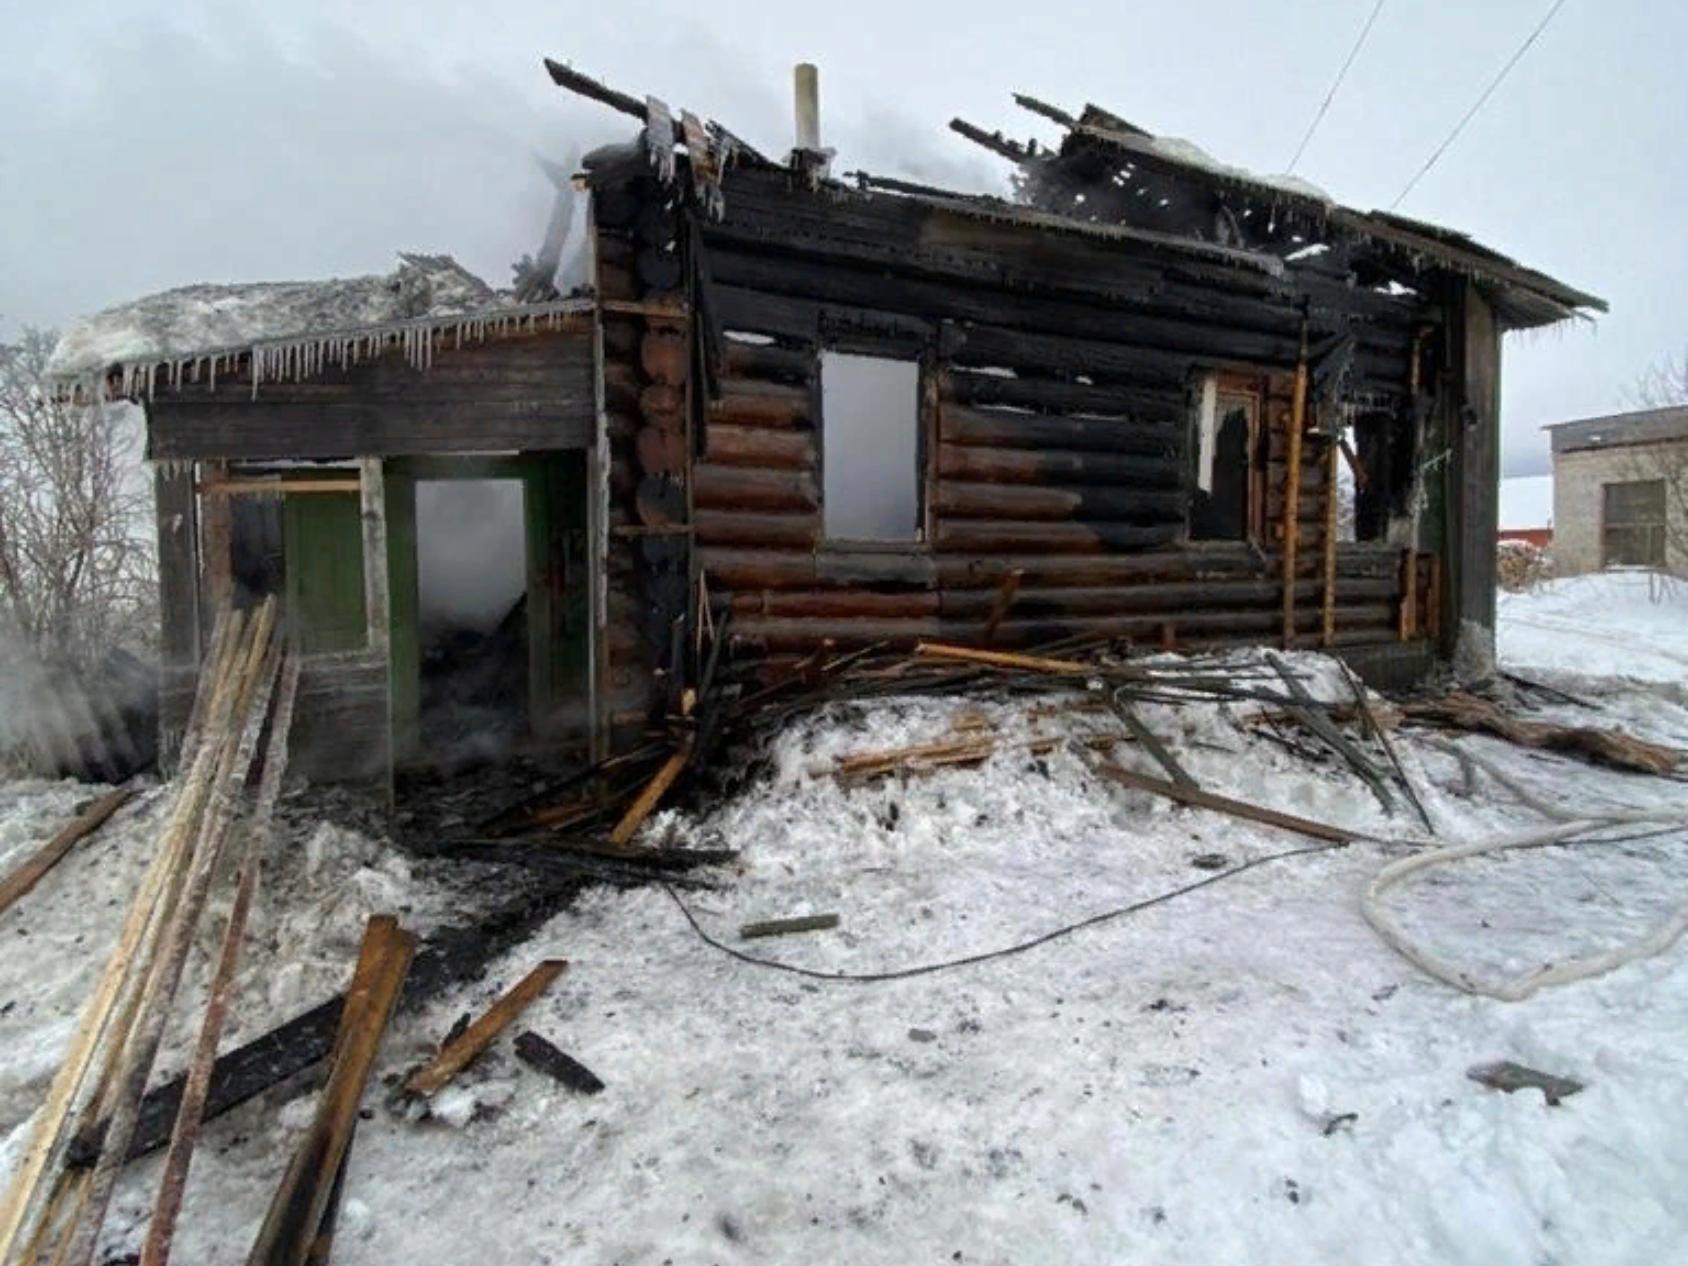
284 330
1615 430
1112 178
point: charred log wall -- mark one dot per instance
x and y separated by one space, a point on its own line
647 356
1055 410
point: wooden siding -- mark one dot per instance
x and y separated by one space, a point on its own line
532 392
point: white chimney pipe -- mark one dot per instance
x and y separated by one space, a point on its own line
807 81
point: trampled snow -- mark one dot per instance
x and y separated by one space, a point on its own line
1241 1074
1614 624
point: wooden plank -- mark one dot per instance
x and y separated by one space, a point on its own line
1005 660
253 686
296 1212
1292 523
654 791
1151 742
457 1054
274 487
217 541
373 515
786 927
1328 634
1196 798
34 868
184 1136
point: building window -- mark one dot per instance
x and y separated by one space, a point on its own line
1227 422
870 437
1632 525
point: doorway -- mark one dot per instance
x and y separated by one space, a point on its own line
490 630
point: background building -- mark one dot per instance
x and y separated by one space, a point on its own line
1620 491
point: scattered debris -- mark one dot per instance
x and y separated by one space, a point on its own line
1508 1076
786 927
543 1056
1464 711
456 1055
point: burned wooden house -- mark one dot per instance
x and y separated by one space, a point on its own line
1152 396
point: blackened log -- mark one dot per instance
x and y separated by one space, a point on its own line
761 360
827 603
1160 436
1048 466
1060 600
956 535
542 1056
662 355
729 527
1055 395
661 450
751 402
451 955
733 445
750 488
1052 502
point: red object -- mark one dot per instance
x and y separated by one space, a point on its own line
1541 538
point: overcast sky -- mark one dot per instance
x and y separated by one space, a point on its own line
145 146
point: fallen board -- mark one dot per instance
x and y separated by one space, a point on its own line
451 955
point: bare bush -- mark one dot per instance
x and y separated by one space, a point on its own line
1523 566
1663 386
76 559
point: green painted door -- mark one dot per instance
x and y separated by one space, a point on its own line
322 537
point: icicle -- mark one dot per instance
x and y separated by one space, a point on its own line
212 377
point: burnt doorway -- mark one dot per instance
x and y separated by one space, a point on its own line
490 601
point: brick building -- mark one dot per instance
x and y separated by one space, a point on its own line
1620 491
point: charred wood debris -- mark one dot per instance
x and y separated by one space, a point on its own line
588 827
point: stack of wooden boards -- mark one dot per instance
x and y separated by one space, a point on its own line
53 1212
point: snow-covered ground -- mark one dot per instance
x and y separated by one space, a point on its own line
1614 624
1243 1074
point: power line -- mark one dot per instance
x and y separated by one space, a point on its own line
1478 104
1330 96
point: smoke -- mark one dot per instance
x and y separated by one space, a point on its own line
471 551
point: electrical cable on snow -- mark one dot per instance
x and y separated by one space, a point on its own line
927 969
1561 832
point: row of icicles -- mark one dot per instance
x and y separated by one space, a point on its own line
289 360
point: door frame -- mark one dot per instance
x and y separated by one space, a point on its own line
539 475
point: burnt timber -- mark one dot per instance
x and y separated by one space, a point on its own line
1138 386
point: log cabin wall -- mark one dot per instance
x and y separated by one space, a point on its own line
641 273
1057 374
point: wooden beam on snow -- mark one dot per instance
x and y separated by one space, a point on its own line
456 1054
296 1212
1196 798
35 867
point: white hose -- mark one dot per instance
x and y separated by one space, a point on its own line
1517 989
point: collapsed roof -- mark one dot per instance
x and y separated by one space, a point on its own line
1111 179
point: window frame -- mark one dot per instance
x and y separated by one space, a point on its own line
921 531
1640 528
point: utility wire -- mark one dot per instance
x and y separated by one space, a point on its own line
1330 96
927 969
1478 104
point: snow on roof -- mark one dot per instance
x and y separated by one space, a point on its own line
196 321
1526 501
1176 149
